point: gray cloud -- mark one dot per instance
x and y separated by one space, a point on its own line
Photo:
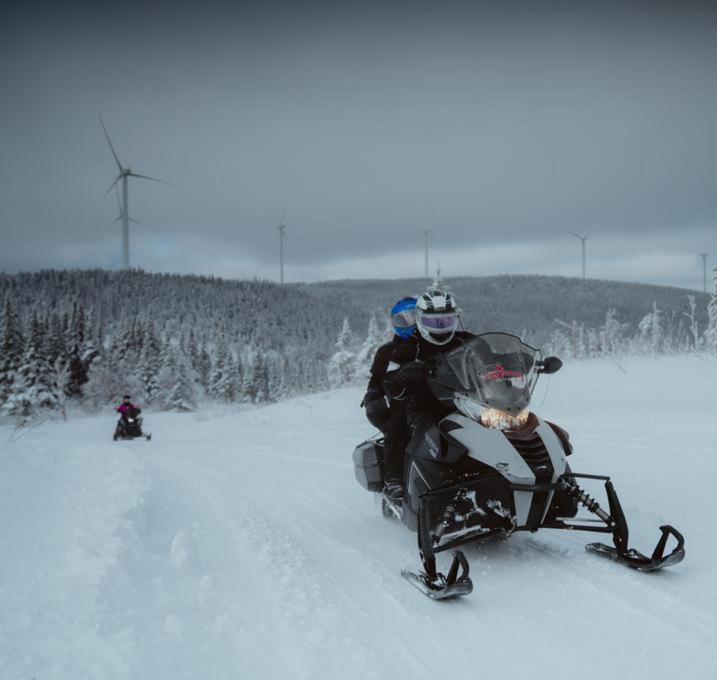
496 127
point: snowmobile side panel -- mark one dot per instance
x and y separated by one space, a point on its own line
556 451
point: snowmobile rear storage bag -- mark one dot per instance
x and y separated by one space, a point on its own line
368 464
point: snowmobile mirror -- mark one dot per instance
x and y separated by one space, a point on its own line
414 370
550 365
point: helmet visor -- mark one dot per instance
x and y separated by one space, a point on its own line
444 322
404 319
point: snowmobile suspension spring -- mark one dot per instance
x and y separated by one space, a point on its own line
590 503
447 516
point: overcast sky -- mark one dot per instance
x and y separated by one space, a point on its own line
497 126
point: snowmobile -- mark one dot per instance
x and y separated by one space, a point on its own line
130 427
492 467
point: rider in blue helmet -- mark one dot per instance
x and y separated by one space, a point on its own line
389 415
403 317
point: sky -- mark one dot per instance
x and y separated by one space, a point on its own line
499 127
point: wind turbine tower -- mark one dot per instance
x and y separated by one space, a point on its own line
124 173
425 235
282 237
704 257
583 239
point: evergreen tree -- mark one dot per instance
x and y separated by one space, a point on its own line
341 367
364 357
260 390
11 351
180 395
221 383
33 389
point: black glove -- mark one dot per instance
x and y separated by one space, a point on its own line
371 395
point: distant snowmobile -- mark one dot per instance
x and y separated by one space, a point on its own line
130 427
492 467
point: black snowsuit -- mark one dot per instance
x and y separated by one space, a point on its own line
389 417
421 406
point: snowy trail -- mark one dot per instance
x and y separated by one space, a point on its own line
238 545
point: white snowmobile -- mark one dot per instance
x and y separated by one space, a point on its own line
492 467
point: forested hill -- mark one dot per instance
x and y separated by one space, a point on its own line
524 305
172 340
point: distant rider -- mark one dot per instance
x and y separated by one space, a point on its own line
386 414
127 409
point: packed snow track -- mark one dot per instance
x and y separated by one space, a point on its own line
237 544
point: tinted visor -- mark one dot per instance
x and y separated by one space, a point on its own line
439 323
404 319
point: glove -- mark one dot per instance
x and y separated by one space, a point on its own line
371 395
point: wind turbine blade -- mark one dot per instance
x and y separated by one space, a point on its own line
112 186
114 153
283 214
154 179
119 203
576 235
142 224
117 219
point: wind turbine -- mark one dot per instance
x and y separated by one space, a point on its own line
425 234
124 173
582 239
282 236
704 255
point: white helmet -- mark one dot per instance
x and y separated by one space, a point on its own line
436 316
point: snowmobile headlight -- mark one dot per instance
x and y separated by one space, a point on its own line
493 417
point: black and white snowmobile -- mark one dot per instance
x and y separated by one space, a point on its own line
130 427
492 467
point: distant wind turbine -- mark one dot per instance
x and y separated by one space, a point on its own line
282 237
425 234
583 239
124 173
704 255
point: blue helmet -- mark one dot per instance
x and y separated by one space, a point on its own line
403 317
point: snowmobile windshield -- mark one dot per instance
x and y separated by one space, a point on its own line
494 369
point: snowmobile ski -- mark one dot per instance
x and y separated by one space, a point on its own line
636 560
444 587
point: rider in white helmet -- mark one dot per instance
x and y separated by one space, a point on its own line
437 324
436 317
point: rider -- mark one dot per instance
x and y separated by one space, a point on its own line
384 413
437 325
127 409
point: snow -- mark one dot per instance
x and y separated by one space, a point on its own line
237 544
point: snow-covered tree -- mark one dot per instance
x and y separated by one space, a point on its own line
33 389
341 367
12 347
610 335
711 332
650 331
222 384
364 357
695 337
